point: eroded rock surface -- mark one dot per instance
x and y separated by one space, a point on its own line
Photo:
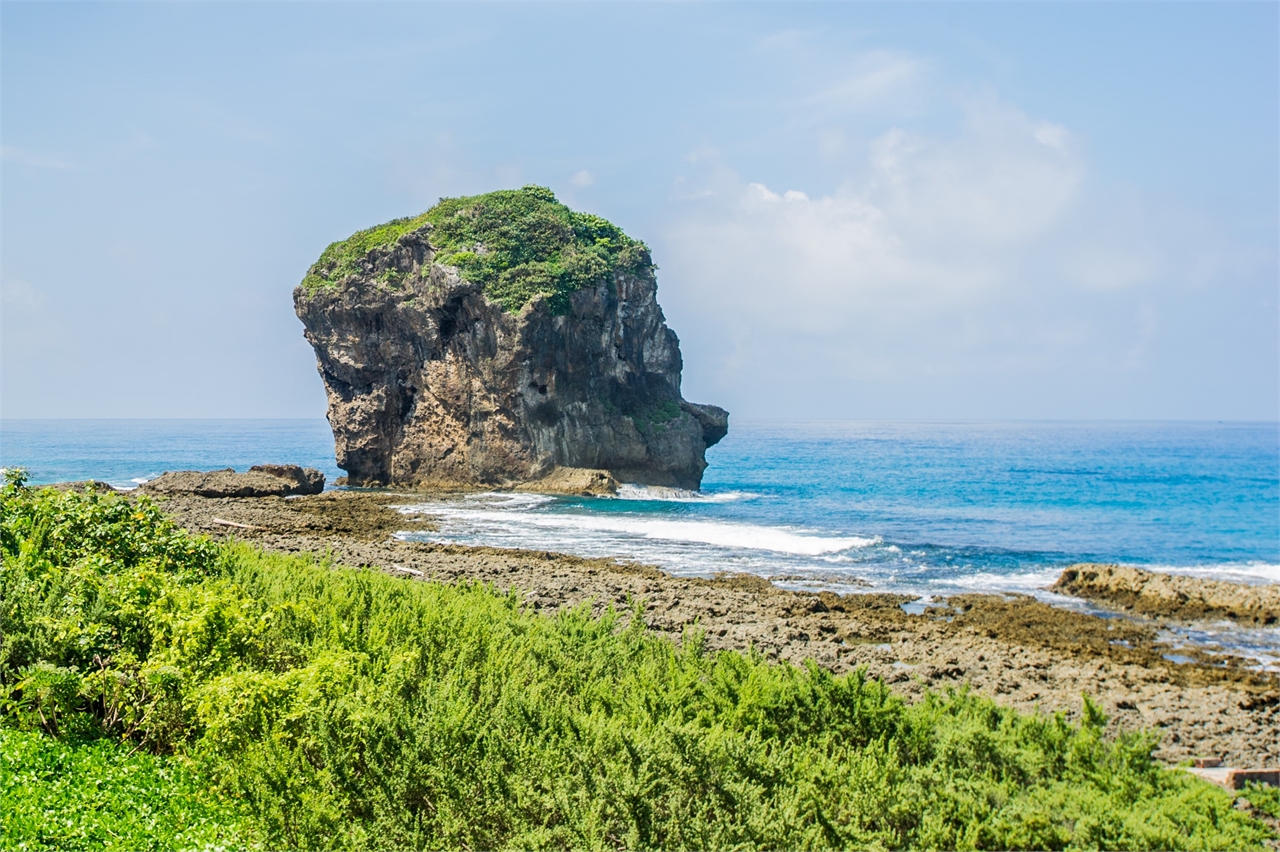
430 382
1171 596
266 480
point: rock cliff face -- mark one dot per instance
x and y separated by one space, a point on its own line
431 381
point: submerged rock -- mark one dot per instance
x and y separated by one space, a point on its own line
262 480
497 340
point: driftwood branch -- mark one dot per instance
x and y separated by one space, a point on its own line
234 524
406 570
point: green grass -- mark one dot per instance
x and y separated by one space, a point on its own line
657 416
517 244
349 709
102 795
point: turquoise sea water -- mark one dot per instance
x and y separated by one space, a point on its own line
926 508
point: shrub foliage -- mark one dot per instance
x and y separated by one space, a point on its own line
517 244
348 709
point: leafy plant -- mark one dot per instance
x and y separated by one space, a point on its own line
1264 798
345 259
657 416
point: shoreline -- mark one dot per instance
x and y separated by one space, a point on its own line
1021 652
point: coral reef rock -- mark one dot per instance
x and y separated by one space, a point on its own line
1171 596
438 374
262 480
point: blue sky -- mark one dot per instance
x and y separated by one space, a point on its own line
858 210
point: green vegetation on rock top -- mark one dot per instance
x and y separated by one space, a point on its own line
343 259
517 244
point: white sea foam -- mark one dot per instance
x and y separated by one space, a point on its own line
509 500
1250 573
482 513
657 493
1018 581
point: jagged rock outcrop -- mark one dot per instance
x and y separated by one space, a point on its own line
433 380
262 480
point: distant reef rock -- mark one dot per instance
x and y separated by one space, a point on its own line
1172 596
502 340
262 480
84 485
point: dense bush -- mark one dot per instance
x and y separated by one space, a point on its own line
517 244
350 709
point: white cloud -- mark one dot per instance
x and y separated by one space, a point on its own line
931 222
997 180
967 259
582 179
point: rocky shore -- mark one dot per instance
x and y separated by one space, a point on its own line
1019 651
1168 596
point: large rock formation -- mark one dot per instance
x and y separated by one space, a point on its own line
452 358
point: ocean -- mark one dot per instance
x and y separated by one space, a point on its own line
927 509
919 508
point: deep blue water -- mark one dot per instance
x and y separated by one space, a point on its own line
920 507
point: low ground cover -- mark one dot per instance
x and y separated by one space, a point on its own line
516 244
101 794
291 703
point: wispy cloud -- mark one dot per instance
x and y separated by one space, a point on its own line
873 78
582 179
34 159
21 294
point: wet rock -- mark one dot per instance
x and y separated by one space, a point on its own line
574 480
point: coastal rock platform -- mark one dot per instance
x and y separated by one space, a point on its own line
262 480
1169 596
1019 651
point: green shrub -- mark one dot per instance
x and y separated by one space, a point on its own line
1265 799
349 709
517 244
